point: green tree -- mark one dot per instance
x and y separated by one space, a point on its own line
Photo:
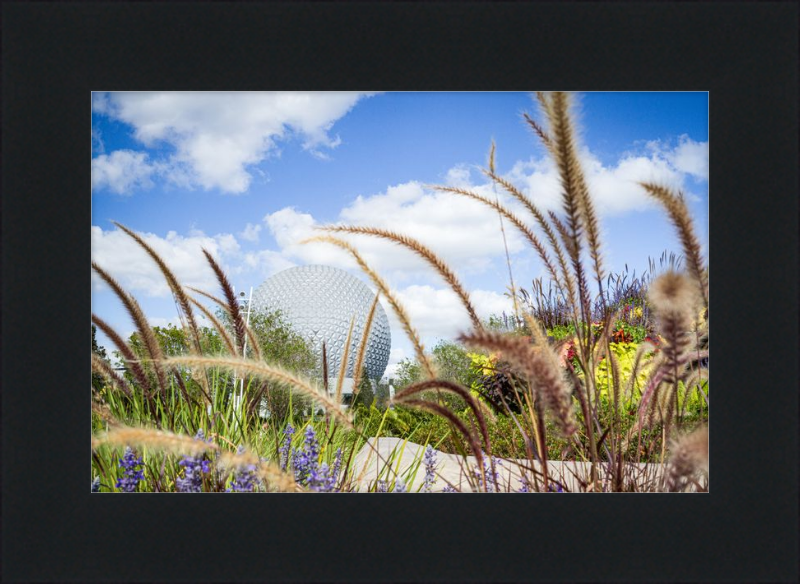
408 371
382 395
366 395
453 363
280 345
97 380
173 341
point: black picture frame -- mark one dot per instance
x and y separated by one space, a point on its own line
744 54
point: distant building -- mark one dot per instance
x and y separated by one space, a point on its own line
319 302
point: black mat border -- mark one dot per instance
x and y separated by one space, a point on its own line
745 54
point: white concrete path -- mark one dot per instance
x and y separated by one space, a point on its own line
386 458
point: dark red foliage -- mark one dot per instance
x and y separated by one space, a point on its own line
621 336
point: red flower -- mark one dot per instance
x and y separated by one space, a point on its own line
571 352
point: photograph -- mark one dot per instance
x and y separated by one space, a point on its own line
340 249
400 292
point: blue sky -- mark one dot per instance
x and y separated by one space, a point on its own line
249 175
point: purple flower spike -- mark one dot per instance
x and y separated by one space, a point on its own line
133 472
194 469
491 477
306 459
283 451
245 480
430 470
333 476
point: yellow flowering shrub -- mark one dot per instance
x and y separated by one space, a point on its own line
625 354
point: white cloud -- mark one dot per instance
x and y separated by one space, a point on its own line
218 135
289 227
687 157
100 102
464 233
614 188
458 176
175 321
489 303
265 263
127 262
691 157
121 171
397 354
538 180
437 313
250 232
434 312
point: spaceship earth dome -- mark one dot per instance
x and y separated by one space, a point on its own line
319 302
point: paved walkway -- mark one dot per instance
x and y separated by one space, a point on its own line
385 458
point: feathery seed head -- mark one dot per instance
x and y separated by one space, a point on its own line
689 457
673 293
540 363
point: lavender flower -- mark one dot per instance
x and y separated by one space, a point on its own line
245 480
194 469
383 486
491 476
133 472
330 484
323 479
305 462
283 451
318 477
430 472
554 488
305 459
449 489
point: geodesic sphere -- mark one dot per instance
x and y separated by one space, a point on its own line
319 302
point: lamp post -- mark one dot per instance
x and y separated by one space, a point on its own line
237 399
